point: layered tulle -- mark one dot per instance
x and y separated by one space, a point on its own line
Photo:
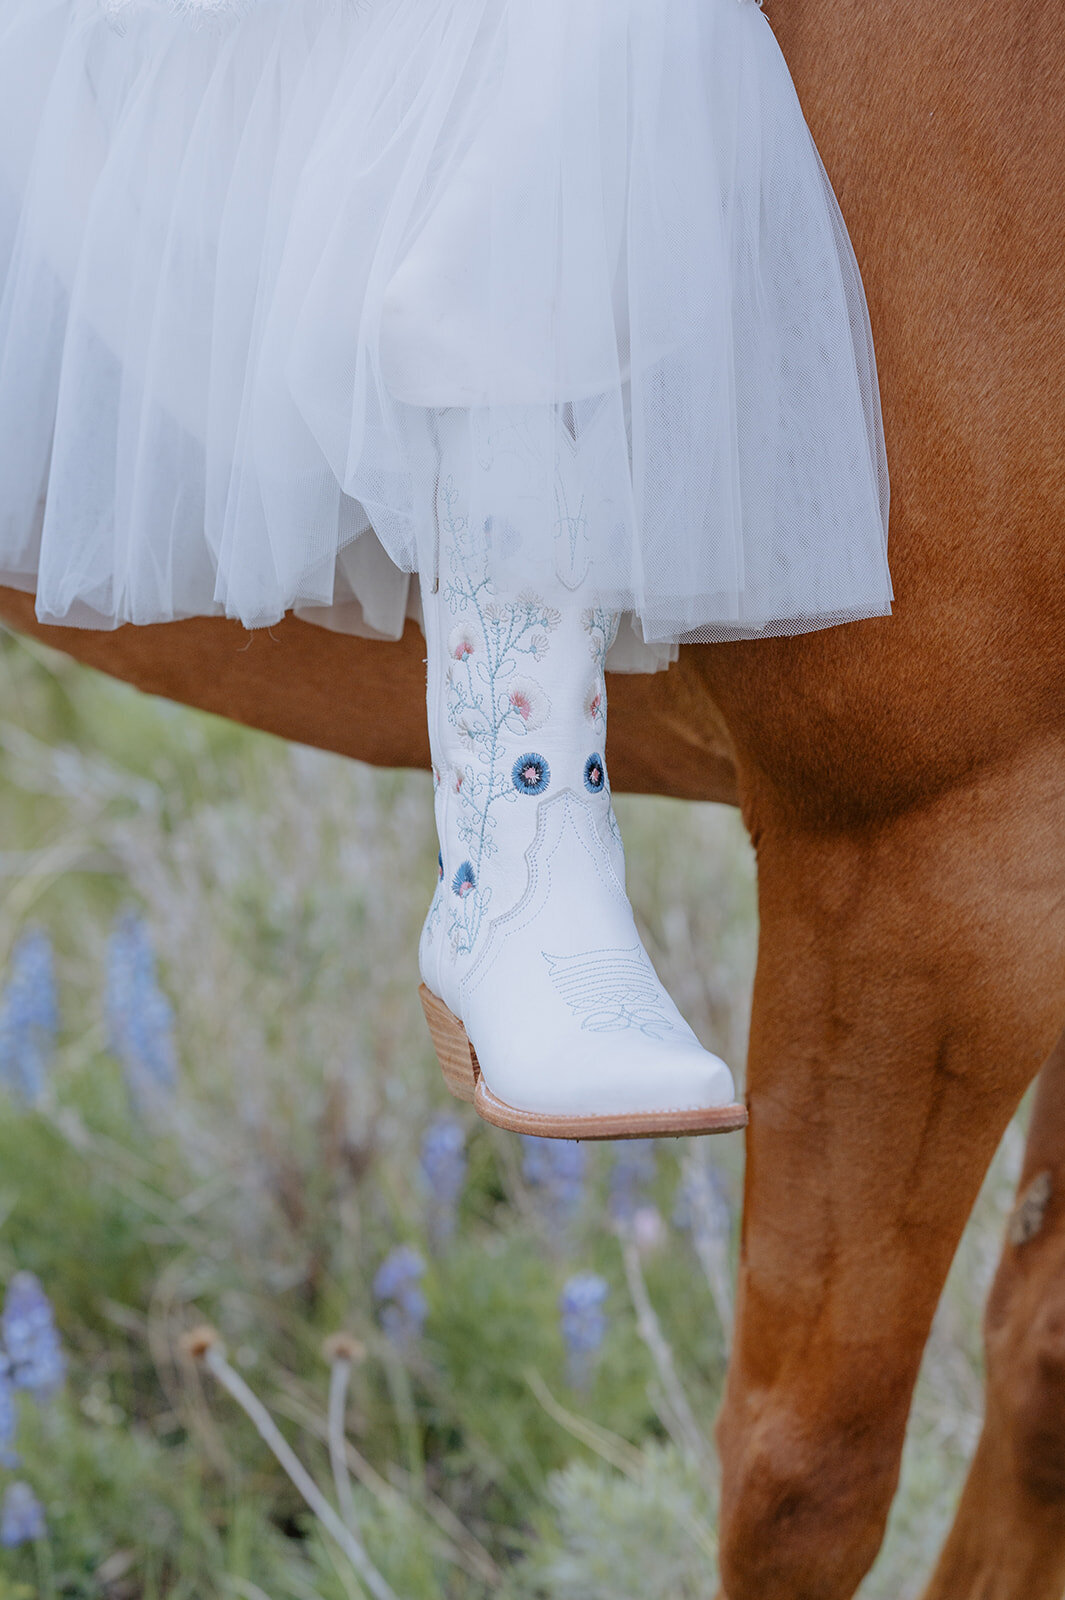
255 269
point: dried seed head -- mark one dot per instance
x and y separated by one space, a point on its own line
199 1340
343 1347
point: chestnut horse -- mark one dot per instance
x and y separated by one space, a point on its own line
904 785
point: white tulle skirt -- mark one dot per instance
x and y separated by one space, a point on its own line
267 269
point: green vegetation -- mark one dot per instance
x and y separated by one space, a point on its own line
235 1119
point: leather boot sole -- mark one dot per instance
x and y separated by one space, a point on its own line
462 1074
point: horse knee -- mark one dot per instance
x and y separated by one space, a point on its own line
803 1512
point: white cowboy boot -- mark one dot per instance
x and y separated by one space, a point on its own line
543 1004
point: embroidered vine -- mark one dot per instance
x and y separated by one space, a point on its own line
491 704
601 627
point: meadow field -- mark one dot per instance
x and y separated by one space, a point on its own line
281 1320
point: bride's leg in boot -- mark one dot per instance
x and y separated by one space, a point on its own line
530 941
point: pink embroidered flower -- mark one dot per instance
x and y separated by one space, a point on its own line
528 702
594 708
461 643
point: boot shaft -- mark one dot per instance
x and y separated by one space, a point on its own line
516 701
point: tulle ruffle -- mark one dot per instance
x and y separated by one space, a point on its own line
263 280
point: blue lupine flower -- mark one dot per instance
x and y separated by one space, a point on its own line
8 1416
403 1305
34 1353
531 774
594 774
401 1266
403 1321
33 965
583 1322
21 1516
29 1017
140 1018
464 880
631 1177
443 1165
556 1169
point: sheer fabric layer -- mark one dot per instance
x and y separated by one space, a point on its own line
254 272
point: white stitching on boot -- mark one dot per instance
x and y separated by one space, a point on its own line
610 990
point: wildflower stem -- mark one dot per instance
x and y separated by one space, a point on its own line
339 1376
689 1436
244 1589
710 1236
619 1453
462 1548
713 1258
272 1436
45 1572
403 1401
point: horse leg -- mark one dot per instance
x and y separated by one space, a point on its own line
1008 1538
911 979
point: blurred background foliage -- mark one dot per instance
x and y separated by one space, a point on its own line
498 1360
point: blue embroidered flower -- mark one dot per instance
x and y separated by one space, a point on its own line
531 774
594 774
440 862
464 880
